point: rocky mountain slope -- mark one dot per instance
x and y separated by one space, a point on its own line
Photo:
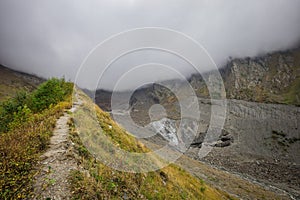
260 140
13 81
271 78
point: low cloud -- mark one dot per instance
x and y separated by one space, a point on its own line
52 37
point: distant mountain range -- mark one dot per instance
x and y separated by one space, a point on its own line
271 78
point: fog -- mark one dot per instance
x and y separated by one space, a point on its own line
52 38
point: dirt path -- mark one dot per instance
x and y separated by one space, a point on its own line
56 163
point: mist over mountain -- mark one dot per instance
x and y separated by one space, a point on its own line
260 137
168 99
52 38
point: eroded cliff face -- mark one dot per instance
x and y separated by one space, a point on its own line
271 78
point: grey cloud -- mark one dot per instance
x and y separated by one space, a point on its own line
52 37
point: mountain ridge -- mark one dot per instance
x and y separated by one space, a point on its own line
12 81
268 78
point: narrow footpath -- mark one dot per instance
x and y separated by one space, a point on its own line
55 164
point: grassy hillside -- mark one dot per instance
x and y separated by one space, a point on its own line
27 122
102 182
11 82
292 93
26 134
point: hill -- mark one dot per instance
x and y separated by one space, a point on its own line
25 137
12 81
102 181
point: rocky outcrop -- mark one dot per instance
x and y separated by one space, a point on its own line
270 78
225 139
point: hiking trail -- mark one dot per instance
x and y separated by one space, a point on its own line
56 163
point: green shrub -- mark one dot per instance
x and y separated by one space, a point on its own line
49 93
23 115
10 108
28 129
17 110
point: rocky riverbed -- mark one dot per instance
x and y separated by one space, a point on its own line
261 142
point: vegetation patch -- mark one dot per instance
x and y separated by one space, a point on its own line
282 138
26 128
278 133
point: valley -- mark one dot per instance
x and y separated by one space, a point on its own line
260 139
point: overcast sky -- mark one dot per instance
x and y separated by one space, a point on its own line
53 37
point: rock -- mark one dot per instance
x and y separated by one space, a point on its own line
227 138
223 144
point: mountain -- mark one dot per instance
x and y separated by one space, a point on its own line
43 153
271 78
256 156
260 138
12 81
160 184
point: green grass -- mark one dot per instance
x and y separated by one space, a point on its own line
293 94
